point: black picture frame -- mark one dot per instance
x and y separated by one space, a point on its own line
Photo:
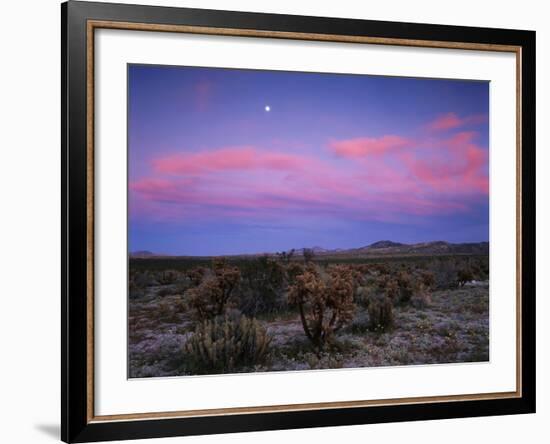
76 423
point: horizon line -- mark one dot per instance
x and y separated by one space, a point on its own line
297 250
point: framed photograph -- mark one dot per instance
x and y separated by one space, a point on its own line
276 221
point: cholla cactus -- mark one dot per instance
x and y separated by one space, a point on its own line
380 313
405 287
389 286
228 277
227 343
210 297
427 278
293 270
167 277
325 302
196 275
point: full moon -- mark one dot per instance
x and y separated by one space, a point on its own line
267 108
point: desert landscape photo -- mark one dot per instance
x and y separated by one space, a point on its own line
294 221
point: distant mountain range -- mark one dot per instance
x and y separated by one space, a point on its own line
435 247
390 247
144 254
380 248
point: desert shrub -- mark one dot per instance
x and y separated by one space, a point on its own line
142 279
227 275
225 344
421 297
357 278
363 269
424 281
166 311
167 277
362 295
262 289
286 256
366 286
325 302
138 282
479 268
135 291
406 287
426 278
380 313
196 275
452 272
210 298
360 323
381 269
293 270
445 273
309 254
206 300
388 286
464 275
478 305
409 285
484 268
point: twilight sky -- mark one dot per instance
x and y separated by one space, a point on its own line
239 161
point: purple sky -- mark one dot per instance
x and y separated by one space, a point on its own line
239 161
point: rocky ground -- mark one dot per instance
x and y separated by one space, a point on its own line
453 328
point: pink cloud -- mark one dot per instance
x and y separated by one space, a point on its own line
452 121
231 158
162 189
459 168
445 122
179 198
309 195
365 146
381 178
390 179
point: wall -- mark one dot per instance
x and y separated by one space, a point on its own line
29 239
